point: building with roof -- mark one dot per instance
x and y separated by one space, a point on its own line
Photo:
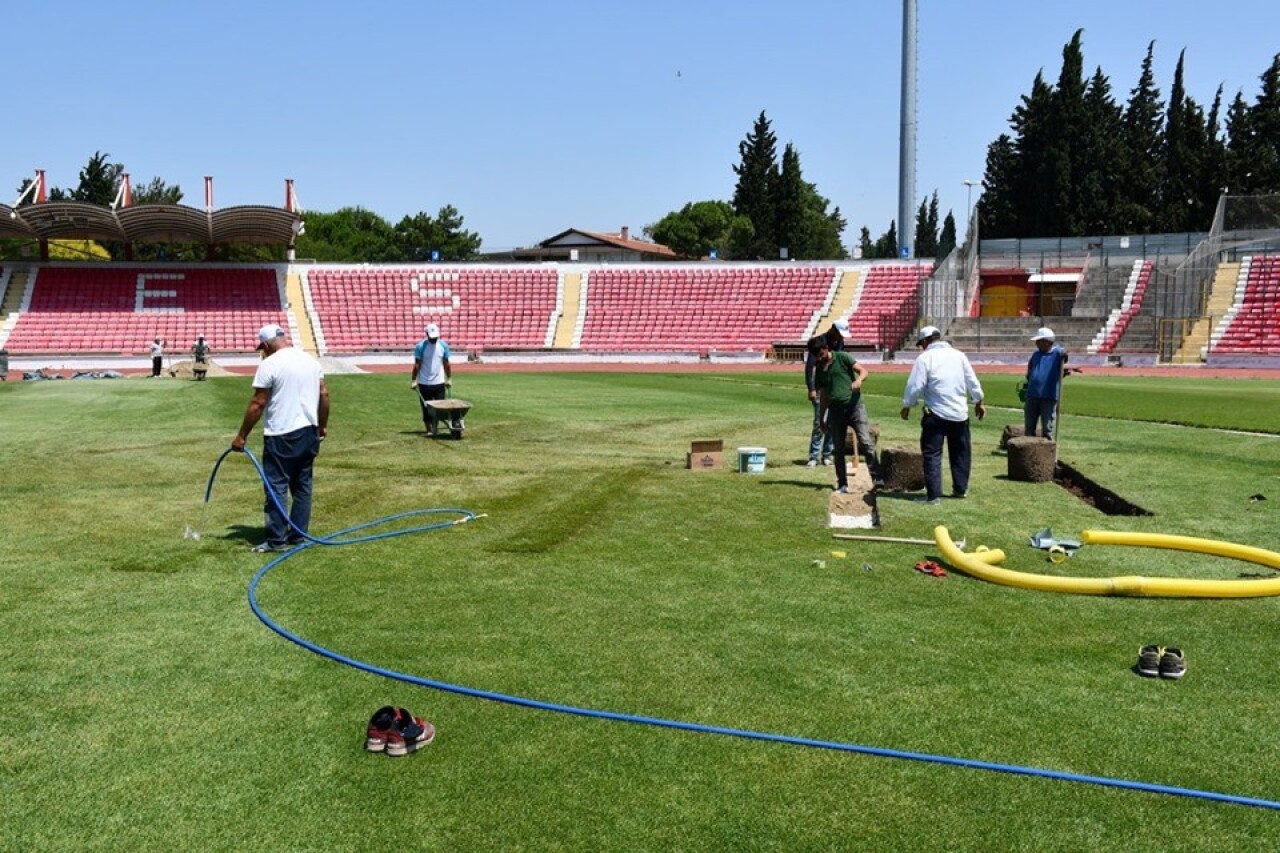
577 245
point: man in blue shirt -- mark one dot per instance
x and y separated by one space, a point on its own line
1044 384
432 374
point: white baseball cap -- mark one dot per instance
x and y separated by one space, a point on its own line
433 331
1044 333
927 332
842 326
269 332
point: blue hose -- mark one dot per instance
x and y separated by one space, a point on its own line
342 537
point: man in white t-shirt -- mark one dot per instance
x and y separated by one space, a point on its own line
432 374
289 390
157 356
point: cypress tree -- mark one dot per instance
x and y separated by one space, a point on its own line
1140 173
757 173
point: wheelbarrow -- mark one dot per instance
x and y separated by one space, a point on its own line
452 409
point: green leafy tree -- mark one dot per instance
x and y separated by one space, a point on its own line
348 235
418 235
156 191
699 227
99 181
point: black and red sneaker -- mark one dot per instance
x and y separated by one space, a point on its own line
381 725
408 734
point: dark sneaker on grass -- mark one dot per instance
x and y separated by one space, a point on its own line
929 501
409 734
1149 661
268 548
1173 664
381 725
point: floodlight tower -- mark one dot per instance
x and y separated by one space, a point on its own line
907 140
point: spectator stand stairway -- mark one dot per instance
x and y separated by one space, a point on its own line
1131 303
841 299
887 304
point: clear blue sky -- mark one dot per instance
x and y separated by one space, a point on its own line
535 117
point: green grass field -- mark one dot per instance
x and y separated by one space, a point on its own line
145 707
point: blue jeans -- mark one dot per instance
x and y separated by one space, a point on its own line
1040 410
933 431
819 443
287 461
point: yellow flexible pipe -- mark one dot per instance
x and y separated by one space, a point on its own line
981 565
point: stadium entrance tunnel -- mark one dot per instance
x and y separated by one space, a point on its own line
1094 494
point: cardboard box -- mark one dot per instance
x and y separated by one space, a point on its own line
705 455
704 461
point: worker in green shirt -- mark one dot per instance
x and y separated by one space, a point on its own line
838 378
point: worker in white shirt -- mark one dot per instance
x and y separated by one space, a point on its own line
943 378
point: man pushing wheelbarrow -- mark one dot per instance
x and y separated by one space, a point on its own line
433 377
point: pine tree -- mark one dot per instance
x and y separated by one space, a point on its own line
1101 145
1140 175
753 196
1063 164
997 216
1183 140
789 202
947 239
1264 121
1033 126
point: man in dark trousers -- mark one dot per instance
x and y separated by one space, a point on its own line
820 438
432 374
289 389
838 378
944 379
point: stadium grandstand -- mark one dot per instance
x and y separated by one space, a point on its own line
1208 298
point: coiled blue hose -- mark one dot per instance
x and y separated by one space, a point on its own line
343 537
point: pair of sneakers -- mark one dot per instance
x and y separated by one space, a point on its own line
397 732
1162 661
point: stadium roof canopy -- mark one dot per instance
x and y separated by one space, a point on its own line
150 223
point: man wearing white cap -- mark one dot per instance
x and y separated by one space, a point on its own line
432 375
289 390
944 379
1044 384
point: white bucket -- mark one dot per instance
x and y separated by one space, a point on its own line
751 460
